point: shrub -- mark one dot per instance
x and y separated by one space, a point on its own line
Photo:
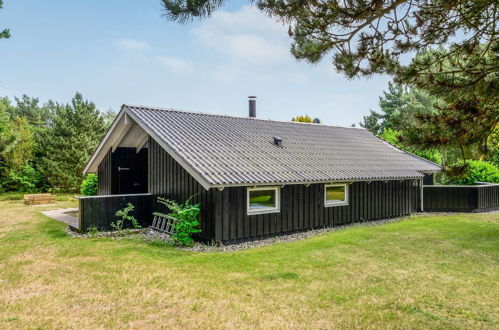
478 171
125 218
25 180
89 185
92 230
185 216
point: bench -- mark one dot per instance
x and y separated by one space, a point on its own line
35 199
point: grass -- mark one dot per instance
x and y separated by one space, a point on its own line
428 272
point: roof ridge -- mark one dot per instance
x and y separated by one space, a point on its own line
233 116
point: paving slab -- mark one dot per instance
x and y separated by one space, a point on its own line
63 215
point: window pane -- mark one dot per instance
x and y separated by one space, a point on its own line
262 199
335 194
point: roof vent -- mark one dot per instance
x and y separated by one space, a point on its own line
252 106
317 121
277 141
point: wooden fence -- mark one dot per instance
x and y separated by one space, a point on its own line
99 211
476 198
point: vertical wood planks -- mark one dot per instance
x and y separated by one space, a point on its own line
461 198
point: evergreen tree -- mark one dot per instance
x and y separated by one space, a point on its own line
29 108
5 33
74 134
373 122
393 103
398 107
366 37
471 94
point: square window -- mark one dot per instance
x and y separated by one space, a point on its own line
336 194
263 200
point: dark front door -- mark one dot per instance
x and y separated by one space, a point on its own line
129 171
125 180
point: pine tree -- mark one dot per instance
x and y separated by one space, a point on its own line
29 108
73 136
373 122
5 33
398 107
453 45
368 37
470 94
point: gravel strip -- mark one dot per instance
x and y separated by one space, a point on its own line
112 234
199 247
285 238
151 235
425 214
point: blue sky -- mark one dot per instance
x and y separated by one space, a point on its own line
123 51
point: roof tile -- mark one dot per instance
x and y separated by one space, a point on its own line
235 150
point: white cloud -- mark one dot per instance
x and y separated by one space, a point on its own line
255 48
131 44
176 64
245 35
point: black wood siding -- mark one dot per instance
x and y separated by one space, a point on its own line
224 214
104 173
475 198
302 208
167 178
99 211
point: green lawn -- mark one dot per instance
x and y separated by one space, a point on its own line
428 272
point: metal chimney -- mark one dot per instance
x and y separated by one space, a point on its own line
278 141
252 106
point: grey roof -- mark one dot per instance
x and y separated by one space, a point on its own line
227 150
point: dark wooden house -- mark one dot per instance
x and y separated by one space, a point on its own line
256 177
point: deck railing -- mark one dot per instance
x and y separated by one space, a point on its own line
475 198
99 211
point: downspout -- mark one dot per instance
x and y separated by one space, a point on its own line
421 195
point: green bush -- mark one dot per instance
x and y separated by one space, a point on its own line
185 216
25 180
478 171
89 185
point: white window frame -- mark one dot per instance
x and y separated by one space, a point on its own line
331 203
275 209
